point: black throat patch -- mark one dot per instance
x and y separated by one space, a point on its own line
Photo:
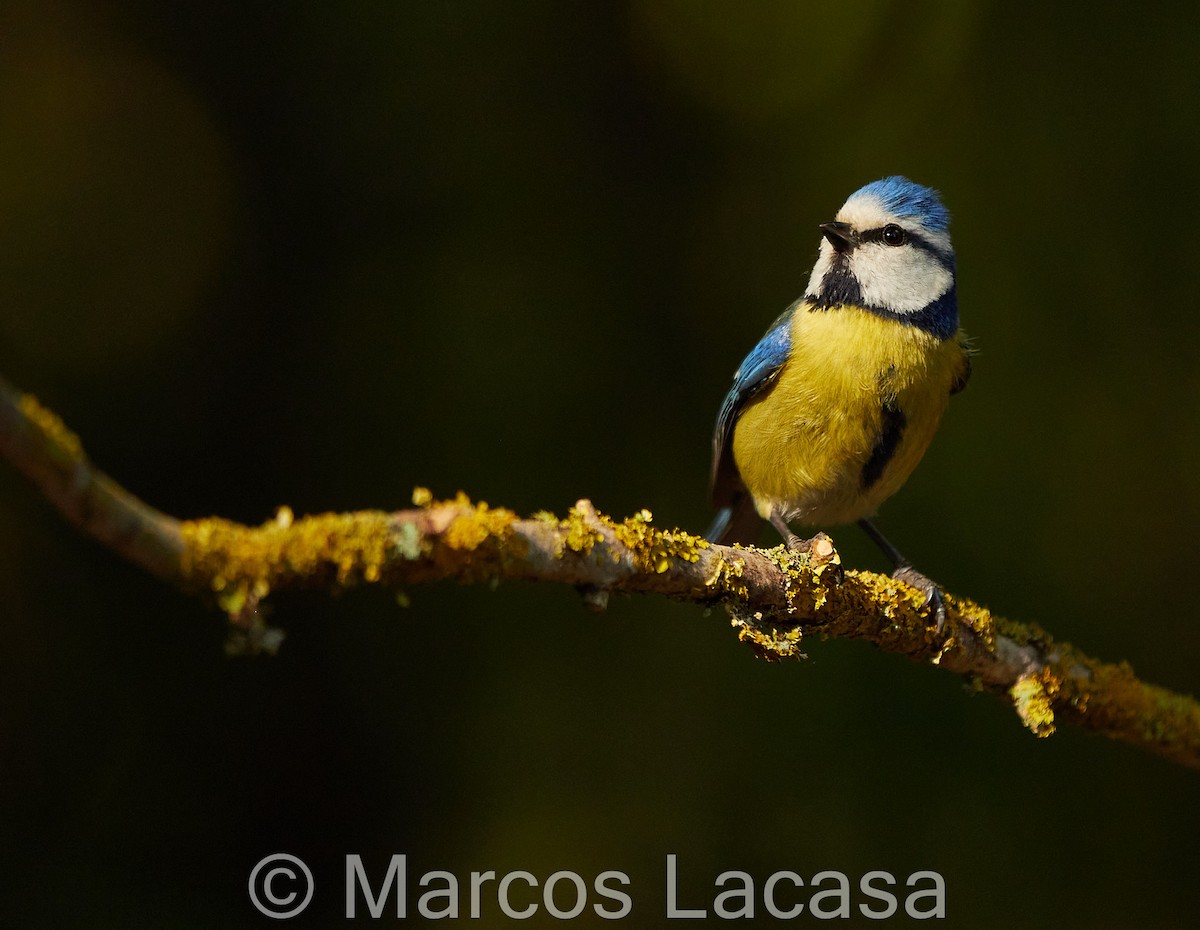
838 286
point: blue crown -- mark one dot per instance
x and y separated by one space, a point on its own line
903 197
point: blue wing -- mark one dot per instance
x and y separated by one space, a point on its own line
737 519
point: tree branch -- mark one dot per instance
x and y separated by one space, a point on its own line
775 597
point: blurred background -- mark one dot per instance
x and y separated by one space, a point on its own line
317 254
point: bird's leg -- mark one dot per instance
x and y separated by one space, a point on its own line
794 542
903 571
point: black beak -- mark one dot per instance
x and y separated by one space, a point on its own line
840 235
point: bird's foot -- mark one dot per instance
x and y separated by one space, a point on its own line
819 548
933 594
820 555
796 544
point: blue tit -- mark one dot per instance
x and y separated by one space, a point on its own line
832 410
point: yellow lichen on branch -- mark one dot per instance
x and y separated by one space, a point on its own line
654 550
340 548
1032 696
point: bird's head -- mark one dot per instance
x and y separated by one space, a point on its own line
888 249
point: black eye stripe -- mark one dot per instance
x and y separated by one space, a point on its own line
914 239
877 235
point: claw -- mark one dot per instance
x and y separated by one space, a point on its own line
933 594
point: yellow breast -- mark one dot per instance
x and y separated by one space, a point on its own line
858 390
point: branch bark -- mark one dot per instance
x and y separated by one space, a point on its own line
774 597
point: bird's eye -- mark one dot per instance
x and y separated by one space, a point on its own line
894 235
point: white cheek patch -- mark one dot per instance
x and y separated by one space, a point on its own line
821 268
902 279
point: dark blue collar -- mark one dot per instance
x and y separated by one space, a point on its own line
939 318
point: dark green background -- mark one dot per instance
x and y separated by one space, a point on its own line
318 253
